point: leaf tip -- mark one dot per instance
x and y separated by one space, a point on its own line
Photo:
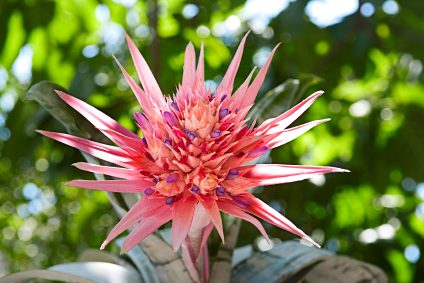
102 247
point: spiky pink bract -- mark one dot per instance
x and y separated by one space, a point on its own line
190 159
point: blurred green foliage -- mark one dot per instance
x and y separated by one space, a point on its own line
372 68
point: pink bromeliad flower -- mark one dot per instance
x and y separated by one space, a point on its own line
189 163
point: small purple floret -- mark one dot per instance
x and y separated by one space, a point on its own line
215 134
169 201
195 190
172 178
155 180
219 191
223 113
185 131
191 136
168 142
149 191
145 141
223 97
241 202
171 119
175 106
257 152
236 111
232 174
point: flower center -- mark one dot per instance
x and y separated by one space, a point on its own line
197 148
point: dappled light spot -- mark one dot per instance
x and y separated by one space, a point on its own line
90 51
412 253
360 109
408 184
391 7
325 13
190 11
367 9
368 236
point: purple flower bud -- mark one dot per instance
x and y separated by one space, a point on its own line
236 111
195 190
172 178
155 180
191 136
185 131
149 191
143 122
257 152
145 141
171 119
241 202
223 113
223 97
169 201
219 191
232 174
215 134
175 106
168 142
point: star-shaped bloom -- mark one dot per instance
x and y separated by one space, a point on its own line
191 158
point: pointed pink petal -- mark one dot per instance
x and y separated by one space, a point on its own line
106 152
241 91
212 210
206 231
141 209
285 119
124 140
189 66
182 215
228 80
292 133
200 71
147 79
138 92
110 171
146 227
118 186
267 213
270 174
253 90
237 212
96 117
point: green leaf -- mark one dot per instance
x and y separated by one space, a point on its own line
44 93
96 255
275 102
75 124
282 98
292 260
140 260
83 272
305 82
